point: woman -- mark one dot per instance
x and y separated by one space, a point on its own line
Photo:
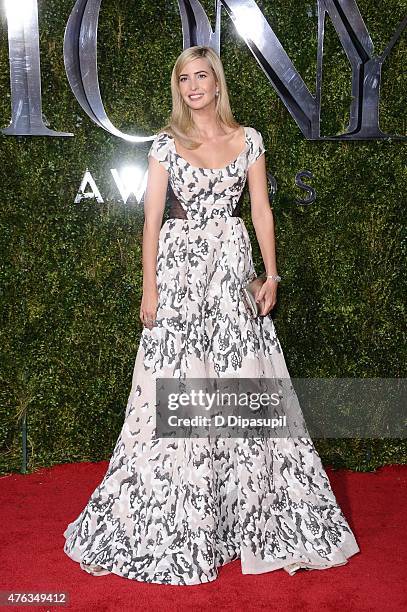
174 511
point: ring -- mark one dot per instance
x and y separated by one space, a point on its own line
150 321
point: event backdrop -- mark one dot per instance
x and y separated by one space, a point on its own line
71 271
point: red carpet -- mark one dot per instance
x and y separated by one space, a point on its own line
36 508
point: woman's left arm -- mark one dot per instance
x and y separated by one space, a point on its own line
263 222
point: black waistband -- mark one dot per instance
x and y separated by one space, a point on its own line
176 211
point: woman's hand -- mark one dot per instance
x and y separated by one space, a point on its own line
266 297
148 308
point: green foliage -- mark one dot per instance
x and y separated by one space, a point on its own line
71 273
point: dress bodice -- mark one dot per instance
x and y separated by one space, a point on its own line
205 192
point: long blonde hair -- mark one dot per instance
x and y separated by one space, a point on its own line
181 124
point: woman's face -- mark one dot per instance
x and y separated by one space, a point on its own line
197 83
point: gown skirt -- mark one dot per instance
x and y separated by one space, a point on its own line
174 510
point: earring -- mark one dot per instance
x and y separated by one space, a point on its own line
217 92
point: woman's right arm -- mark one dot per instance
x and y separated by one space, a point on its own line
154 203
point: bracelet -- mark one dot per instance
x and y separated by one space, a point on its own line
275 277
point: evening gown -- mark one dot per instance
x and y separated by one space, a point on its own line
172 511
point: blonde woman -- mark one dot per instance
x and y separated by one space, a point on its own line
173 511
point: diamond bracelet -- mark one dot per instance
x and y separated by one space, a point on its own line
275 277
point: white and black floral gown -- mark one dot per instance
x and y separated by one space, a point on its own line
173 511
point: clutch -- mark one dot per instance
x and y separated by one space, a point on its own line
249 292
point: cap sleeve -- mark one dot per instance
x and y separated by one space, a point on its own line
256 147
160 149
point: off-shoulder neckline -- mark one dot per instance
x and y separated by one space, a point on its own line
211 169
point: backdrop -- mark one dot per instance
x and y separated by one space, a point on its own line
71 273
